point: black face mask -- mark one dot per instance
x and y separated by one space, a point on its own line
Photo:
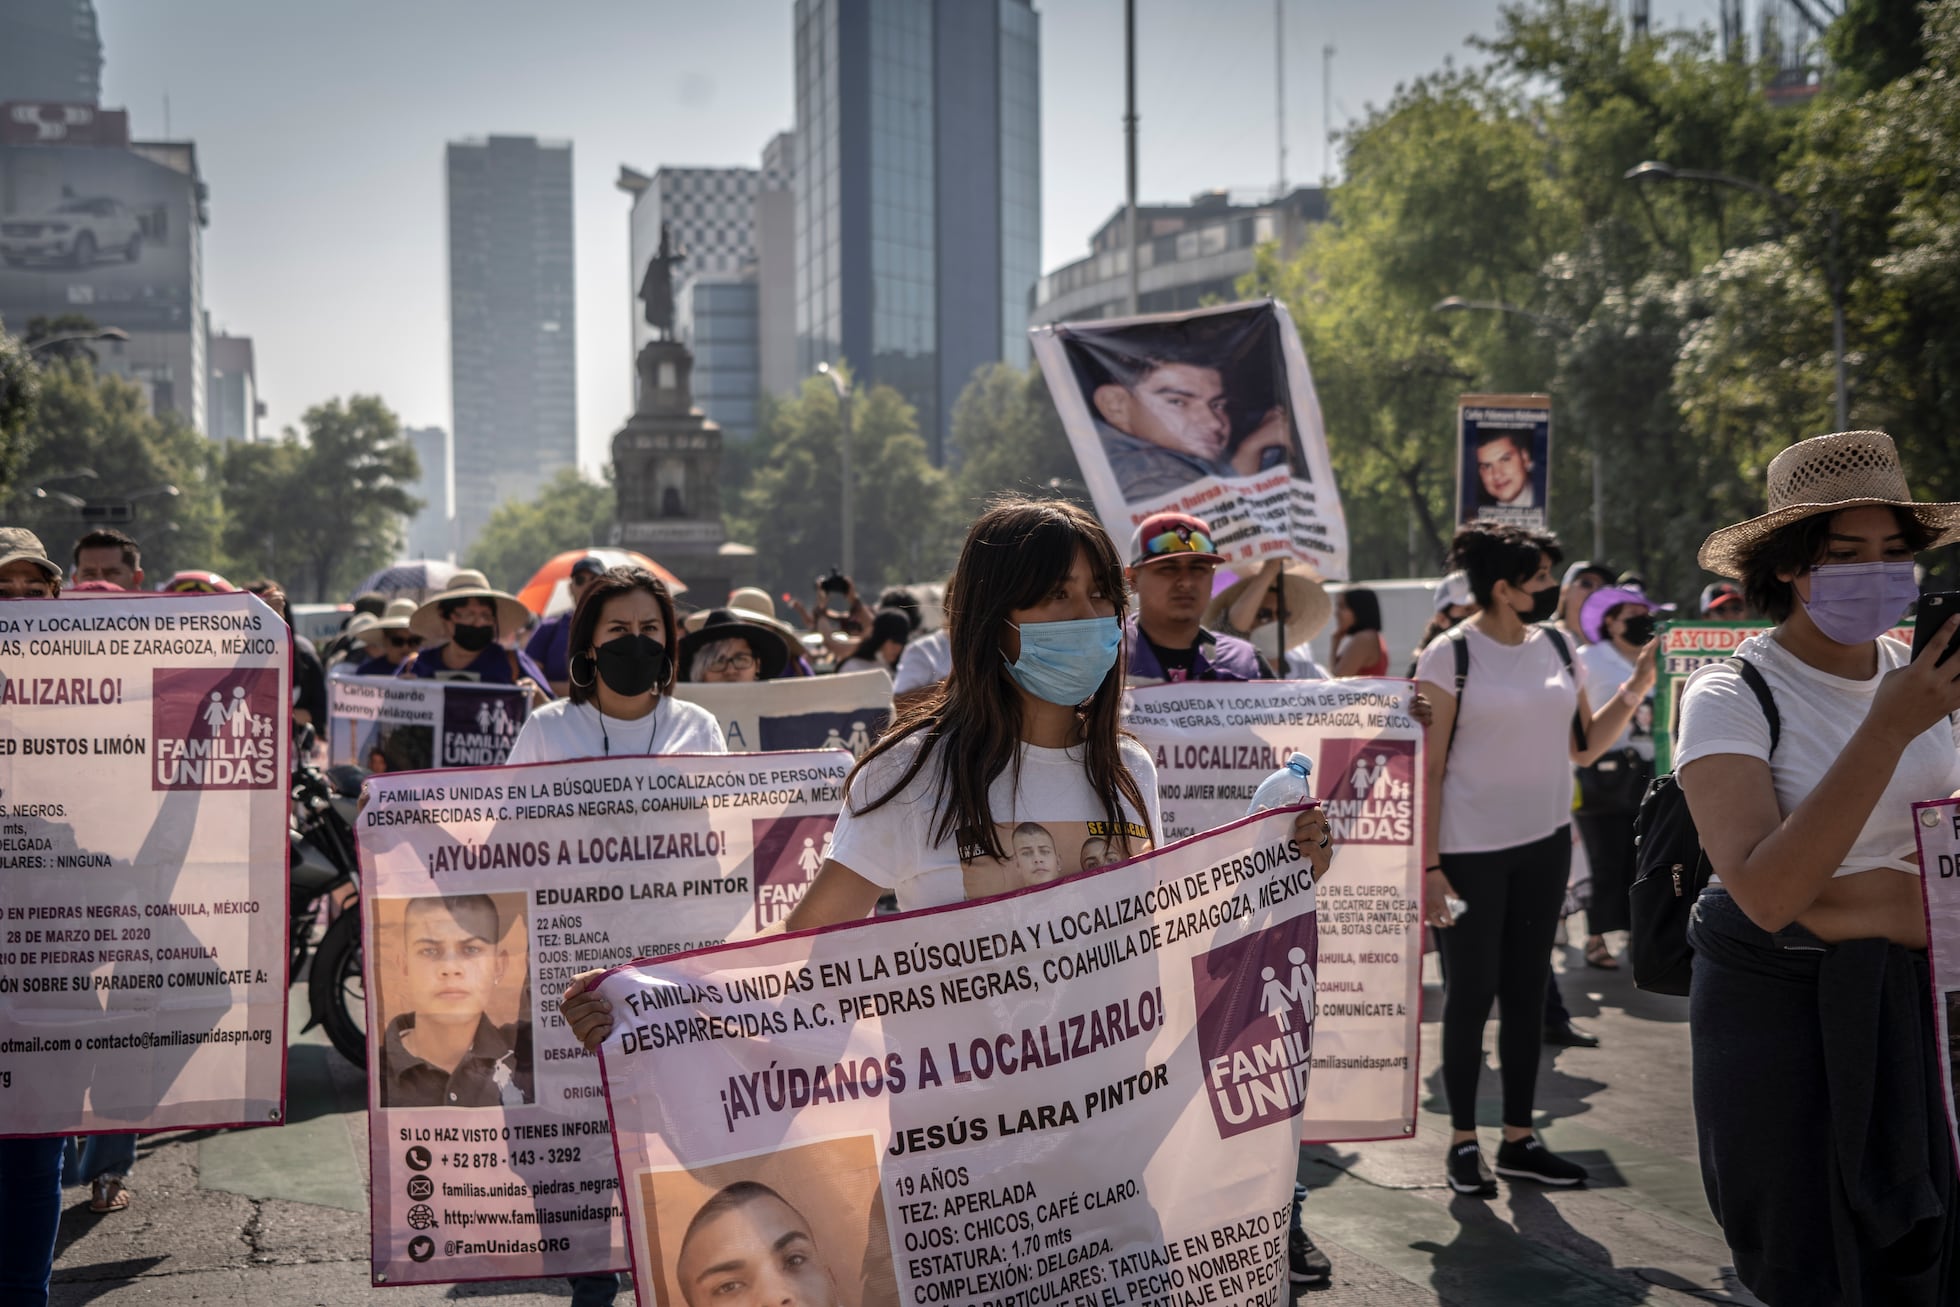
631 665
474 639
1638 629
1544 605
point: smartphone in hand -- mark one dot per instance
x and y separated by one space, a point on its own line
1933 612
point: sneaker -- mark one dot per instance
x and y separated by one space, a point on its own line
1527 1159
1567 1035
1468 1173
1305 1263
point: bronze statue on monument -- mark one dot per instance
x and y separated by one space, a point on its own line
657 287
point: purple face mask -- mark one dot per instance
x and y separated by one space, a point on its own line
1856 602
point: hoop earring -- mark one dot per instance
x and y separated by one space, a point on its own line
591 677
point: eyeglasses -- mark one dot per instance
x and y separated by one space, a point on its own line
1178 540
740 662
405 642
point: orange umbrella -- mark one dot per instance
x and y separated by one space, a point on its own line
549 592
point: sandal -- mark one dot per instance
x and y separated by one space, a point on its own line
106 1194
1599 957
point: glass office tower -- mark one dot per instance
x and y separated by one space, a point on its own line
918 162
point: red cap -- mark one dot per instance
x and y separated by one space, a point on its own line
1172 535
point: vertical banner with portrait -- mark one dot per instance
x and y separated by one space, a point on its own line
1504 459
484 891
145 750
1211 412
1213 743
1089 1092
1937 824
798 712
403 723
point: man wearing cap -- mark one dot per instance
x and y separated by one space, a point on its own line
468 617
1172 562
387 638
1581 581
26 571
109 555
549 645
1722 601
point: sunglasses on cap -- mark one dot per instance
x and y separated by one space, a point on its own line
1178 540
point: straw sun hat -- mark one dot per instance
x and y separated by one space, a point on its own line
467 584
1308 607
1825 474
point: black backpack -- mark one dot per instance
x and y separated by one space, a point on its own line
1671 870
1460 657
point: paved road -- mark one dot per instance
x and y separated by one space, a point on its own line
280 1215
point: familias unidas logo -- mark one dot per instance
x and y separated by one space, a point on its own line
1369 790
214 728
1255 1004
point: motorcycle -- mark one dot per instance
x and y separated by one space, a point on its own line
325 867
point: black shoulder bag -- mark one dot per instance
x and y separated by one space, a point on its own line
1671 870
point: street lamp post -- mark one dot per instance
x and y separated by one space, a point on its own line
1653 170
848 563
1557 327
106 333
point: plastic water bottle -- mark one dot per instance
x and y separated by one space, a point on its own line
1289 785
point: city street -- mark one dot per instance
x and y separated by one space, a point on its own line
280 1215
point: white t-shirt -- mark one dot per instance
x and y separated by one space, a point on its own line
1818 713
1609 669
1301 665
1509 776
1051 826
862 665
562 730
926 661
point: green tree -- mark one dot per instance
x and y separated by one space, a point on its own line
904 520
569 512
323 507
19 385
1008 439
92 443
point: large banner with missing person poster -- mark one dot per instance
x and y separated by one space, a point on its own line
1214 742
1938 826
484 891
1211 412
1084 1092
798 712
403 723
144 757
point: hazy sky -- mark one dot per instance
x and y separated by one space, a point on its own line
320 130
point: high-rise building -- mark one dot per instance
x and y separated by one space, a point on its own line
918 191
96 225
512 321
775 267
431 532
50 51
1188 255
232 407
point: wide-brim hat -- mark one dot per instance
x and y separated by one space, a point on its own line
1308 606
396 616
754 600
770 647
1592 613
426 621
696 620
1827 474
365 627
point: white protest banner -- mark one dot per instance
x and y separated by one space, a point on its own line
1086 1092
1937 824
798 712
1210 412
390 723
1213 742
484 891
144 759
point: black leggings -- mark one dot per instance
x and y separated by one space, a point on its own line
1501 948
1609 849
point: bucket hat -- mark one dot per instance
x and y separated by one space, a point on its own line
19 545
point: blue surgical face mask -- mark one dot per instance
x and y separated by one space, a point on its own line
1852 603
1066 662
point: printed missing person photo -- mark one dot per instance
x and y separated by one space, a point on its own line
453 993
1175 402
800 1227
1041 852
1504 458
